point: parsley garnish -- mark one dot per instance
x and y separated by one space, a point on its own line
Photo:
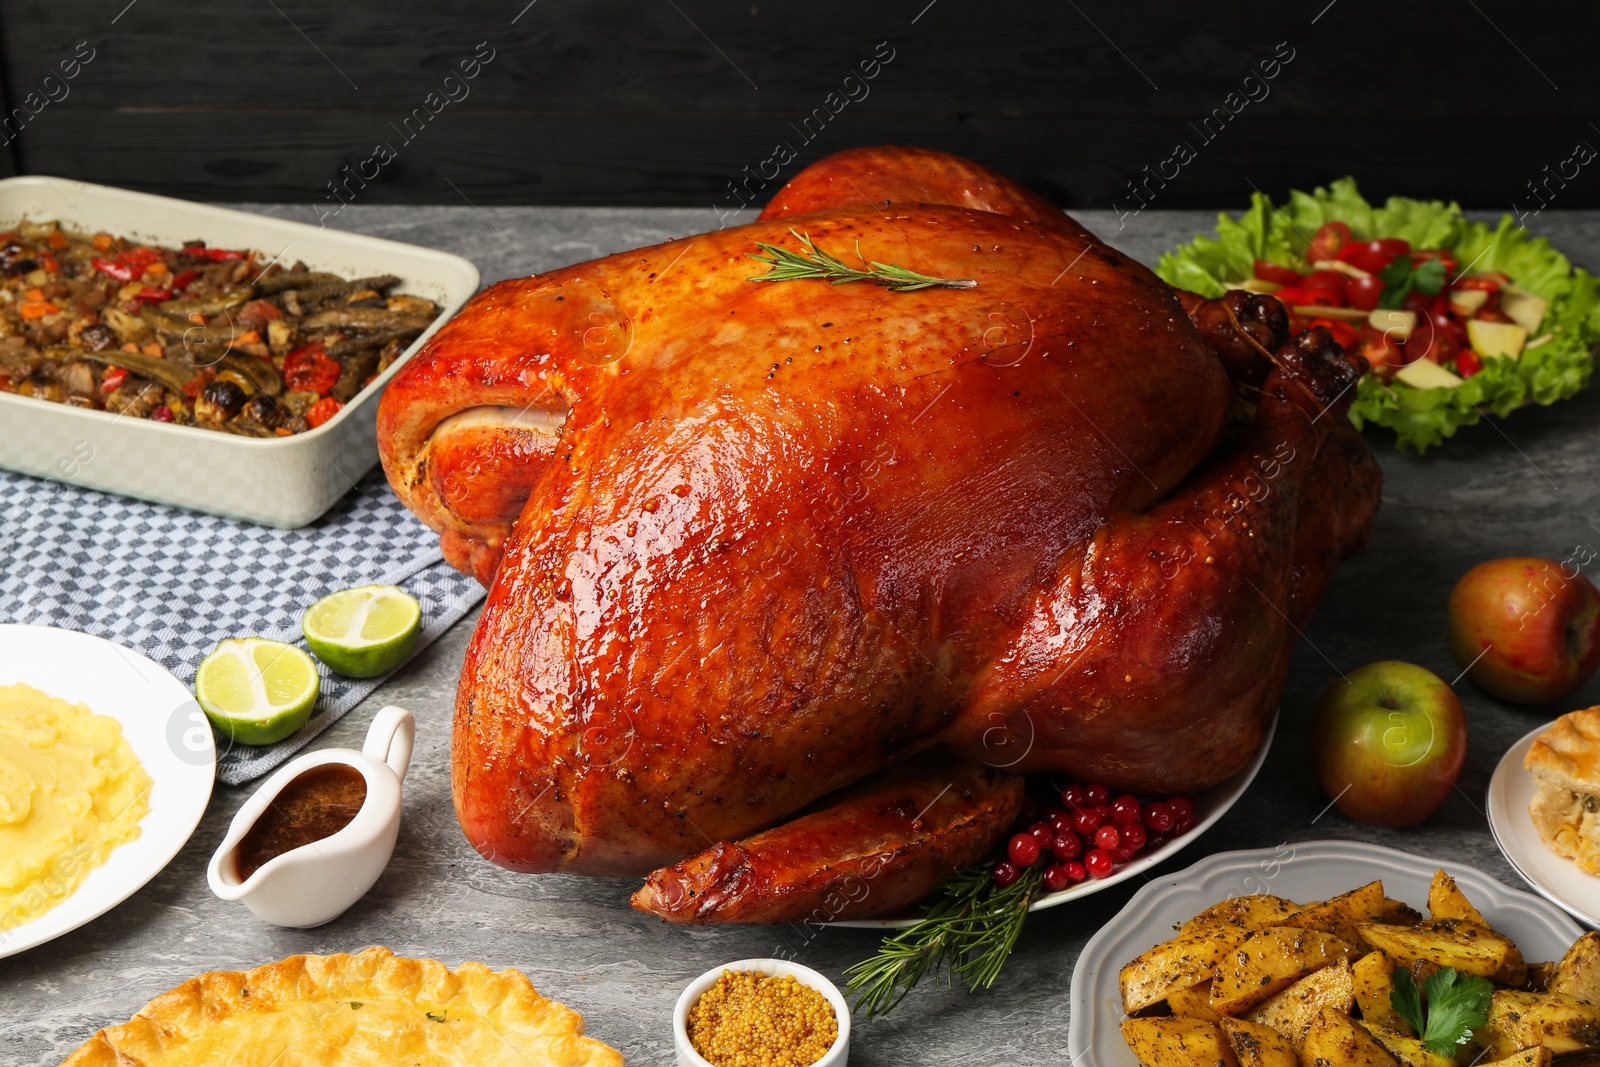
1401 276
1457 1005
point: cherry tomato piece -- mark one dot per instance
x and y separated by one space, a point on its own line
1329 280
322 411
1468 363
1327 241
1373 256
1363 293
1278 275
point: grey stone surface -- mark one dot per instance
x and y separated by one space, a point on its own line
1525 485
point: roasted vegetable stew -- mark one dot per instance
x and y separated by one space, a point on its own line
210 337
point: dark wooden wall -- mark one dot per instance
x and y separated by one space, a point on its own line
666 101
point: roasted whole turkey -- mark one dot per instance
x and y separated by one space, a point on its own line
791 581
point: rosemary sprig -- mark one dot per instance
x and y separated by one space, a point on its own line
966 937
814 263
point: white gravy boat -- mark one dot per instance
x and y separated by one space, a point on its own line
316 882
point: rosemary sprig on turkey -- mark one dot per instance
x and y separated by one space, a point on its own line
967 936
813 263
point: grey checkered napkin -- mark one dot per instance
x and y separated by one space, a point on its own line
171 583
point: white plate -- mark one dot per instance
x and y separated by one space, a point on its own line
1313 870
157 713
1510 792
276 481
1209 806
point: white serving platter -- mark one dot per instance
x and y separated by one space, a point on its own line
166 730
1304 872
282 481
1553 876
1209 806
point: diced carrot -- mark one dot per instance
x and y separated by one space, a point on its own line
36 309
102 242
156 268
33 294
249 337
57 239
197 318
48 262
153 349
282 431
130 347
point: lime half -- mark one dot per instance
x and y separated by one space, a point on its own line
365 631
257 691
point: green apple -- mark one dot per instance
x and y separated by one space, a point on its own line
1388 741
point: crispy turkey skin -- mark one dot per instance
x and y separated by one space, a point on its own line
749 543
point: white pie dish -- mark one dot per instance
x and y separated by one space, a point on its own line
1555 877
1305 871
838 1053
283 481
166 730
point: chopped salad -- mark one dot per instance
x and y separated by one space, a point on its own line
1455 318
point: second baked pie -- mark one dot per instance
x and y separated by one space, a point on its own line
371 1008
1565 761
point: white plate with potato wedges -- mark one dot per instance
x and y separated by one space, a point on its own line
1293 990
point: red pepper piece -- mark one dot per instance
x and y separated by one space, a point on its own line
322 411
310 369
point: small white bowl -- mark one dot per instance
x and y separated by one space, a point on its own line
836 1056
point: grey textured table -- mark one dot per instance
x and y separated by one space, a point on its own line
1529 484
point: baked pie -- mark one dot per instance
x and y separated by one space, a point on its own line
371 1008
1565 761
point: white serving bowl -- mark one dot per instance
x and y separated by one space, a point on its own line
836 1056
276 481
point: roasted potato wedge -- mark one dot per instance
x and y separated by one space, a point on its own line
1399 913
1578 973
1446 901
1240 913
1556 1021
1467 946
1193 1003
1182 963
1407 1049
1528 1057
1258 1046
1337 1041
1373 976
1540 975
1342 914
1178 1043
1269 961
1290 1013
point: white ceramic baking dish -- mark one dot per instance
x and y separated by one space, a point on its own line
283 481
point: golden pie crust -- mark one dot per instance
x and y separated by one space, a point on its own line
1565 761
371 1008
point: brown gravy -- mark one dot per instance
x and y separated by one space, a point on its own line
315 805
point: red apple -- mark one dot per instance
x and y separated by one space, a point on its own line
1388 742
1529 628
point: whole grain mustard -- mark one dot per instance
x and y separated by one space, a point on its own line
750 1019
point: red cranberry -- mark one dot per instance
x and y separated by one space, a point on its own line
1067 845
1074 796
1099 862
1124 853
1125 810
1159 818
1076 871
1107 837
1005 874
1104 811
1042 832
1024 850
1133 836
1184 816
1155 841
1098 794
1056 877
1086 822
1061 822
161 414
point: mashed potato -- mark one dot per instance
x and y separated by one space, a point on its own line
71 790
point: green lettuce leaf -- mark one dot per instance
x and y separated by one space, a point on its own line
1420 418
